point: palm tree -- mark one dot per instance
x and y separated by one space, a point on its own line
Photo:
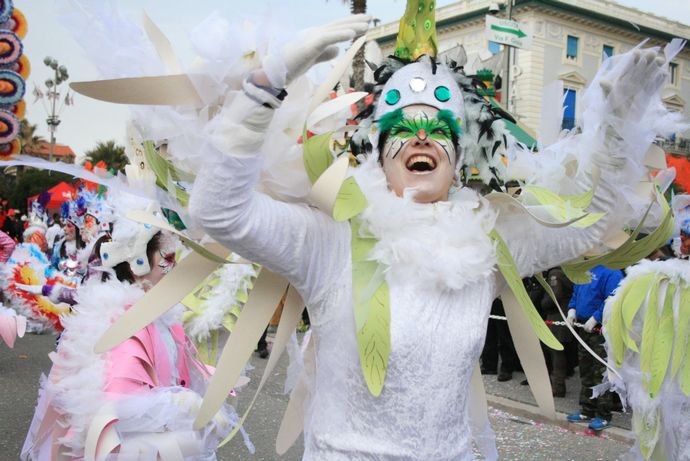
110 153
30 141
357 7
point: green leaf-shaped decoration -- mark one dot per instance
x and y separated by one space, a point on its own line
576 275
632 299
685 374
680 349
372 311
649 329
317 155
630 252
663 343
166 173
506 264
565 208
646 426
350 201
580 201
616 331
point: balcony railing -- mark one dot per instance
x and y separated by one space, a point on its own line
678 146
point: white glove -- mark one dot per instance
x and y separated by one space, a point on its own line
312 46
590 324
33 289
571 317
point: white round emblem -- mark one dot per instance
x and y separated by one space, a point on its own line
417 84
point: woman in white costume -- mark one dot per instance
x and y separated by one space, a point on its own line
432 235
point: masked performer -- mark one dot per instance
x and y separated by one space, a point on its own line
138 401
413 251
418 261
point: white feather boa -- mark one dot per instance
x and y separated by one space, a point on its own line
439 246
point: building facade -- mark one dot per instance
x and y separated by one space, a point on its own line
570 39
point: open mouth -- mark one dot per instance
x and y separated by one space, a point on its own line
421 163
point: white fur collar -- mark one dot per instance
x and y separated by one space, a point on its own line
434 246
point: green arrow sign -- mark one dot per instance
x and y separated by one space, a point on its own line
507 30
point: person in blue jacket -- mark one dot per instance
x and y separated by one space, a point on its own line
586 308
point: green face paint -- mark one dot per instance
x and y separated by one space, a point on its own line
442 128
437 128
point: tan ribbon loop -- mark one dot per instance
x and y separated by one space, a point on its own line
162 45
268 290
289 319
162 90
101 437
531 356
325 190
293 419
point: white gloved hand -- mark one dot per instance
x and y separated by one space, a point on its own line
590 324
571 317
312 46
33 289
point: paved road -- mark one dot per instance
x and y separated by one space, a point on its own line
519 438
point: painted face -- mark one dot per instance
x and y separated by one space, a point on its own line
419 153
90 229
162 263
70 231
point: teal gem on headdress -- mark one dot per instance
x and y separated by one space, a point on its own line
427 24
442 93
392 97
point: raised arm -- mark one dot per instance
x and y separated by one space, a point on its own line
622 116
294 240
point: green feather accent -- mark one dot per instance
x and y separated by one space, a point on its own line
651 324
451 120
663 343
630 252
680 348
350 201
646 426
372 311
389 120
506 264
317 155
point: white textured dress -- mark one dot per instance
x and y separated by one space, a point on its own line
442 280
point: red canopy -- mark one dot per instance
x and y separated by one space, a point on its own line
682 166
58 194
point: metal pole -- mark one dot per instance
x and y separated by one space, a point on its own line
52 118
506 68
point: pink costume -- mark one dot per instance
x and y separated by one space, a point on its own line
6 247
132 403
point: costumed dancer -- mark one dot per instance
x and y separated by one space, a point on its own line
409 247
24 275
646 326
138 401
417 253
37 225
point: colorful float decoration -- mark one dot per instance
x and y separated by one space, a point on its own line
14 71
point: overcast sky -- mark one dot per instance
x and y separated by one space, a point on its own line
88 122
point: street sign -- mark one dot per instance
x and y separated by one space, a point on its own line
507 32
